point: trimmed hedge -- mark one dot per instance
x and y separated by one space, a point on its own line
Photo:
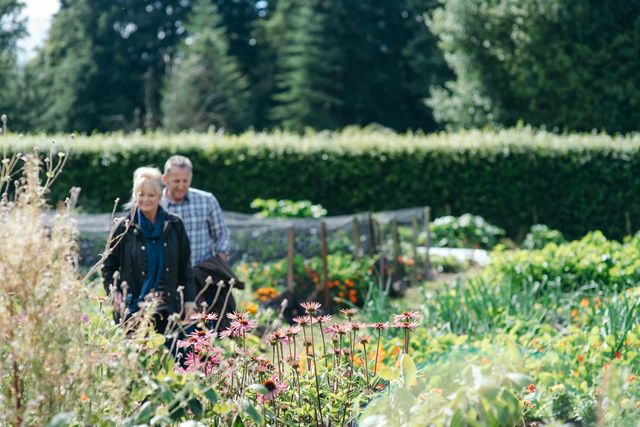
513 178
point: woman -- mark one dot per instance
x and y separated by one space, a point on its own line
151 254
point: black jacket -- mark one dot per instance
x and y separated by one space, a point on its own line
129 258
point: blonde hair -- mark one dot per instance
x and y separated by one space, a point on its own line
145 178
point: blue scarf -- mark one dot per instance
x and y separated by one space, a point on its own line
152 240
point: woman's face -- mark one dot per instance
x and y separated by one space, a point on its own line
148 201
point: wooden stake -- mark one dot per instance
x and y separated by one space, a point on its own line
325 267
290 250
356 238
414 245
427 243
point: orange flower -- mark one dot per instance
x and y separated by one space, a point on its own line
349 283
341 294
437 390
574 313
249 307
584 302
532 388
580 358
484 360
84 397
618 355
597 302
631 378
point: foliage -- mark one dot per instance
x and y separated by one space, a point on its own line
448 264
592 262
205 88
466 231
554 64
502 176
349 279
306 92
541 235
470 395
62 360
272 208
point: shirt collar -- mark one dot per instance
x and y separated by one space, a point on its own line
169 201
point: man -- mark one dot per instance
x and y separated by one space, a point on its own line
199 210
208 235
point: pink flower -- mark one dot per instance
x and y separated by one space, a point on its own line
380 325
349 312
274 388
323 319
406 325
292 331
239 328
238 315
204 316
303 320
338 329
311 307
407 316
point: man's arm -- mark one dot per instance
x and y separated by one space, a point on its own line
218 230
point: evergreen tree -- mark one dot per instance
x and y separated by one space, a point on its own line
206 87
60 78
307 81
568 65
11 29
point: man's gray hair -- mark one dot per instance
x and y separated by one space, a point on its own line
178 161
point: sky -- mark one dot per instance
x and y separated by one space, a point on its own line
38 14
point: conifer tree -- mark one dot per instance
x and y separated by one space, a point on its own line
308 62
206 87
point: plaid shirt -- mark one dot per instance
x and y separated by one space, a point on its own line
203 219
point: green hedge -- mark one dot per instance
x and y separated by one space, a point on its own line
513 178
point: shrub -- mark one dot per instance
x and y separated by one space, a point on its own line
512 178
272 208
540 235
467 231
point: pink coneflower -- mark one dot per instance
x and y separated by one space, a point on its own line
238 315
324 318
292 331
349 312
380 325
192 363
262 364
357 326
204 316
311 307
294 362
407 316
274 388
271 339
338 329
406 325
303 320
364 339
239 328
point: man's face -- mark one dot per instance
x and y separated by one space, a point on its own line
177 181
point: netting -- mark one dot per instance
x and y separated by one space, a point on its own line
267 239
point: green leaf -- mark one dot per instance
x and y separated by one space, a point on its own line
251 410
238 422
